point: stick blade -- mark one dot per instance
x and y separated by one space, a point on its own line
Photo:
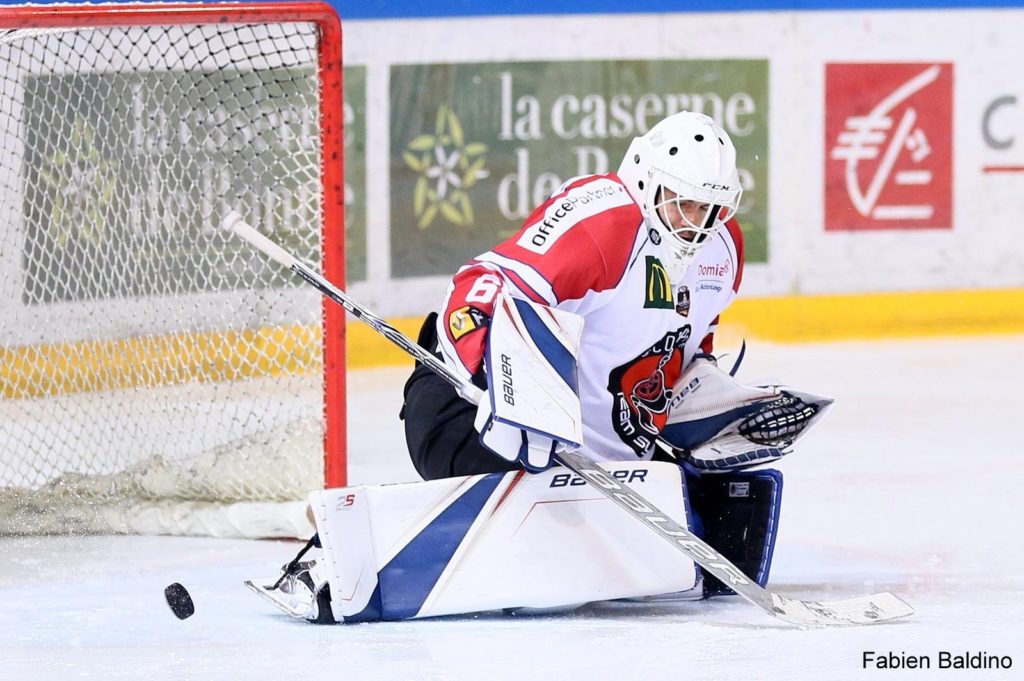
881 607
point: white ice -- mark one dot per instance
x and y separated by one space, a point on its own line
912 484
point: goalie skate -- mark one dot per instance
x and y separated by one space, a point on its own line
300 591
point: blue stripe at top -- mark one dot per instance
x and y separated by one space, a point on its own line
425 9
395 9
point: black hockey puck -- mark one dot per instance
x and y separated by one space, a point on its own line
179 600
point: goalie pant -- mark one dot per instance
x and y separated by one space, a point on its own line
512 540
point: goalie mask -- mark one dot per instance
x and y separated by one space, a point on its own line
682 173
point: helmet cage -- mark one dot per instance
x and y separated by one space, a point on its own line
688 237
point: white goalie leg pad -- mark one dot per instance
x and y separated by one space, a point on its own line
531 364
488 542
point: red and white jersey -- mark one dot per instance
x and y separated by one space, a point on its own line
588 251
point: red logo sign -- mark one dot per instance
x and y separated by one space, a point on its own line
888 146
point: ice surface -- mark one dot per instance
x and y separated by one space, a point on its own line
911 484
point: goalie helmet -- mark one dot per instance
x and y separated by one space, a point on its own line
682 174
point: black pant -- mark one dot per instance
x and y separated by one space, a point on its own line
439 428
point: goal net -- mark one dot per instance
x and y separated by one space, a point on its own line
156 373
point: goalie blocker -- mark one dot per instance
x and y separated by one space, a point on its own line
514 540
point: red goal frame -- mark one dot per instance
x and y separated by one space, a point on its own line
331 147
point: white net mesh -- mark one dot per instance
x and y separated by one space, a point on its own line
145 355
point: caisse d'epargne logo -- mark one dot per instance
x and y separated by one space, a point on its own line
888 146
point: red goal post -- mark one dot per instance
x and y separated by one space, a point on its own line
129 130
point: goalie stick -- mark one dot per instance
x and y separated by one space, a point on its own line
879 607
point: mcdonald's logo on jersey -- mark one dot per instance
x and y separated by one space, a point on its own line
658 291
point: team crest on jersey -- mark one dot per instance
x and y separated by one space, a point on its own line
683 301
658 289
464 320
642 390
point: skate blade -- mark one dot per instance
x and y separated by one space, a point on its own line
290 604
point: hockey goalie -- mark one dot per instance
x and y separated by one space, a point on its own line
590 330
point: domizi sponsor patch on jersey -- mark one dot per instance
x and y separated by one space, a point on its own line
565 212
718 271
465 319
713 276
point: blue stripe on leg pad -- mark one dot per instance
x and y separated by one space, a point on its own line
409 577
556 354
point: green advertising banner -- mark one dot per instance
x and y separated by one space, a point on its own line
354 92
127 177
475 147
131 174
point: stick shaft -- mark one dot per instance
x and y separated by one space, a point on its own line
467 390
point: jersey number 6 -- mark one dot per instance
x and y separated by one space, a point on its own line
485 288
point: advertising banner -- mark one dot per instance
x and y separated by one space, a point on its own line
889 145
354 92
475 147
145 207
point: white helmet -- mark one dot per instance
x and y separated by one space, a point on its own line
693 158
